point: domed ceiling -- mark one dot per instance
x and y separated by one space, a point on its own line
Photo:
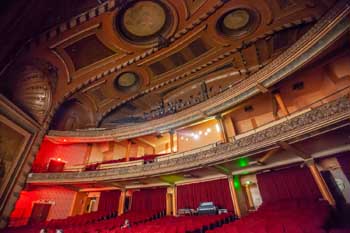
132 61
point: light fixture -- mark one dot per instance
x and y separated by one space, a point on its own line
192 134
58 159
196 136
248 182
217 128
186 139
200 132
64 140
206 133
182 137
208 130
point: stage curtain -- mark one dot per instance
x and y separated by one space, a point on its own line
344 161
217 191
149 200
109 201
287 184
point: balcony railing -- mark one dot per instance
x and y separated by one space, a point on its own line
308 121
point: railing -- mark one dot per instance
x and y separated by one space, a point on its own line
187 153
101 166
319 119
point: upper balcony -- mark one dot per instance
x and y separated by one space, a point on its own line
321 116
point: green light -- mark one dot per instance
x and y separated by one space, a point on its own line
243 162
171 178
236 182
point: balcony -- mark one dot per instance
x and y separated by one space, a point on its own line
323 115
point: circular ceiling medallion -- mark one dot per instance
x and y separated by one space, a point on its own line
127 79
143 22
238 22
127 82
236 19
144 18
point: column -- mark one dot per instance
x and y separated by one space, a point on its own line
281 103
177 142
249 196
222 128
326 194
174 200
121 202
128 149
171 133
229 125
88 153
234 197
170 201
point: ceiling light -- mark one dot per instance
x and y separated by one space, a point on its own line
200 132
209 130
182 137
196 136
192 134
206 133
186 139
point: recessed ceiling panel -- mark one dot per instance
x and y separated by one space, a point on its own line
87 51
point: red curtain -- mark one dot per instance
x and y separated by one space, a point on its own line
287 184
217 191
149 200
344 161
109 201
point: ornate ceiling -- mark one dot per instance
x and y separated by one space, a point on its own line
131 61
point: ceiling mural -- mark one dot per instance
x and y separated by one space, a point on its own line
125 61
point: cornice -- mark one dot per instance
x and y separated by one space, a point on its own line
305 125
316 40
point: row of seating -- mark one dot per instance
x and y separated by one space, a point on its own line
90 223
181 224
297 216
78 220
